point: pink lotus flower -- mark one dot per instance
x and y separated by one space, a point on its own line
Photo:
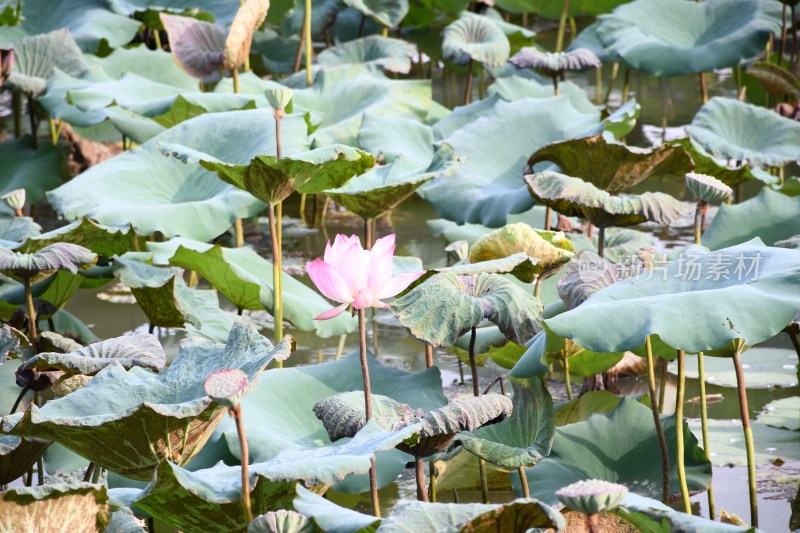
354 276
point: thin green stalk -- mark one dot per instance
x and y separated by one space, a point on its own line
419 469
340 346
428 355
468 89
235 76
687 506
601 240
307 31
662 385
277 306
236 414
598 85
698 221
362 338
562 26
157 39
472 364
701 375
537 287
368 236
34 124
385 31
31 315
548 215
523 479
626 85
748 439
662 441
484 481
302 209
54 131
612 80
238 230
432 474
567 383
16 105
703 88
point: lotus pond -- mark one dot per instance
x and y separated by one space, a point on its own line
399 265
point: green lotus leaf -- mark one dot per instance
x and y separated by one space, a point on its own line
673 37
248 19
198 46
150 417
388 13
584 406
331 518
518 36
705 163
552 10
490 184
59 507
392 137
575 197
222 12
575 455
37 171
448 305
380 190
462 115
36 58
14 230
45 262
277 52
738 131
138 349
551 248
767 367
647 514
18 455
143 188
294 427
156 65
10 342
553 64
373 51
611 166
475 38
587 274
750 305
523 438
323 15
246 280
770 216
95 237
470 233
89 22
123 521
726 440
281 522
340 97
782 413
514 88
272 180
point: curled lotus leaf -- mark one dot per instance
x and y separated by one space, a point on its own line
18 455
592 496
475 38
448 305
554 63
142 419
10 341
738 131
612 166
575 197
248 19
705 163
373 51
551 248
210 499
524 437
585 275
227 386
281 521
137 349
707 188
754 298
272 180
343 415
388 13
58 507
37 57
198 46
44 262
102 240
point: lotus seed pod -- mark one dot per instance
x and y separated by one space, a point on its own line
707 188
279 98
227 386
282 521
14 199
592 496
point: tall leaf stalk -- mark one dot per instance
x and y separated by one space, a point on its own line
687 506
748 439
662 441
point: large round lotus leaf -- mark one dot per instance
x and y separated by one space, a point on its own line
248 19
129 421
390 137
385 187
156 65
575 197
626 432
753 288
58 507
516 87
36 171
151 192
272 180
448 305
765 368
738 131
489 185
551 248
475 38
282 521
728 447
340 97
245 279
42 263
462 115
612 166
587 274
523 438
210 499
784 413
770 216
294 426
89 22
673 37
647 514
95 237
137 349
388 13
374 51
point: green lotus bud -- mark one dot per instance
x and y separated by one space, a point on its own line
592 496
707 188
279 98
14 199
227 386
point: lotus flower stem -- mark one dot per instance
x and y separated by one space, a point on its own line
472 364
368 234
432 484
687 506
748 439
612 80
307 31
484 481
703 88
704 423
277 308
16 104
385 31
523 479
428 355
157 39
302 209
537 287
699 214
236 414
34 125
89 471
593 523
626 85
548 216
422 491
54 133
662 441
601 240
562 26
238 230
31 314
362 338
340 346
461 371
598 84
299 55
468 90
235 76
555 86
567 383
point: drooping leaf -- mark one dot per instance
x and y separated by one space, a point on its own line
672 37
584 276
389 13
475 38
448 305
42 263
373 51
751 305
248 19
139 418
554 63
777 80
95 237
611 166
648 514
705 163
738 131
198 46
58 507
37 171
36 58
